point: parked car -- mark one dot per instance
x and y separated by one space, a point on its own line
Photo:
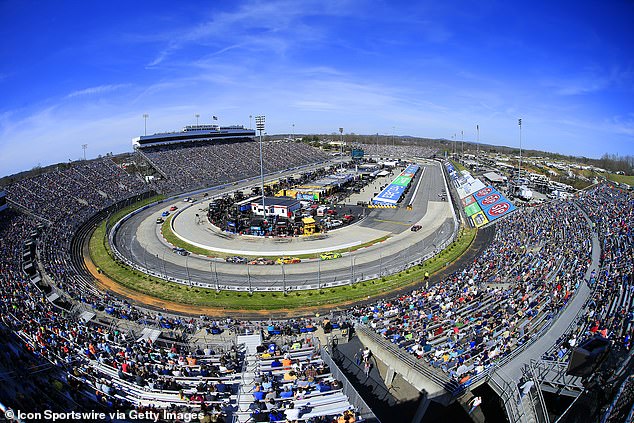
236 259
331 212
180 251
261 261
334 223
415 228
329 256
347 218
288 260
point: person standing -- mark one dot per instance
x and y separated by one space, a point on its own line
475 402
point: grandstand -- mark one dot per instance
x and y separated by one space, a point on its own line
207 155
455 331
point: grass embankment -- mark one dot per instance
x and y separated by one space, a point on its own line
170 236
621 179
178 293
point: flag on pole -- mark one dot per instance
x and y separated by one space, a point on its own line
214 117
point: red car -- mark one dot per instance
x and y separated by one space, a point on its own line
173 208
348 218
331 212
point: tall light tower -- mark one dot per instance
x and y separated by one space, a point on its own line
197 116
293 132
519 175
341 142
393 131
250 121
145 116
462 144
259 125
83 147
478 145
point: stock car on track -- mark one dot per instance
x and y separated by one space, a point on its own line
173 208
288 260
180 251
236 259
165 213
416 228
329 256
262 260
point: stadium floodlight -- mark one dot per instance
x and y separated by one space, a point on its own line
341 145
259 125
197 116
83 147
462 144
250 121
145 116
293 132
519 175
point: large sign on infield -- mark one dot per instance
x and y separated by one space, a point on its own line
393 192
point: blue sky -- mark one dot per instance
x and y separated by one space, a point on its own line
85 72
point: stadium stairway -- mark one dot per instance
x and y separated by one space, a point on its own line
251 343
245 393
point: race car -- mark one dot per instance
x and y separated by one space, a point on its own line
330 256
236 259
288 260
261 261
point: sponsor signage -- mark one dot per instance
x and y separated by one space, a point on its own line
472 209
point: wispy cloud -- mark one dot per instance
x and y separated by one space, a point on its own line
98 90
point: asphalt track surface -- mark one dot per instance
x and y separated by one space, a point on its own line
139 239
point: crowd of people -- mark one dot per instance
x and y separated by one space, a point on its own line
609 311
466 322
293 382
460 325
193 166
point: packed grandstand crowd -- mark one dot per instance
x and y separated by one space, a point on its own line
459 326
189 167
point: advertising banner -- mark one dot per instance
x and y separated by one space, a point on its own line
391 194
472 209
402 181
479 219
468 200
499 209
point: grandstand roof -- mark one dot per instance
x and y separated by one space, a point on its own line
200 133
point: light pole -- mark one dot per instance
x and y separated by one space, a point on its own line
83 147
462 144
341 142
519 175
393 131
197 116
250 121
259 124
189 278
293 132
319 274
352 259
164 268
283 278
478 146
145 116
